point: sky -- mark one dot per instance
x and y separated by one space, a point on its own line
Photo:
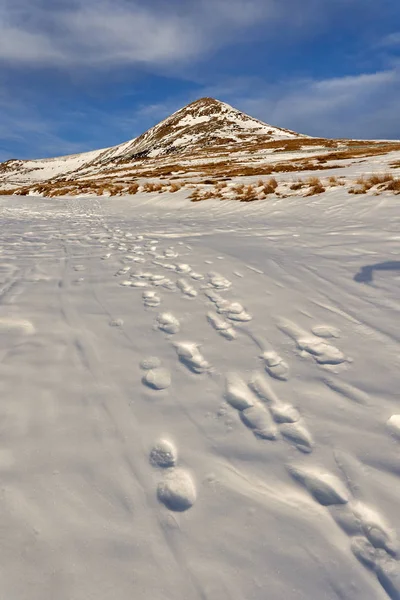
79 75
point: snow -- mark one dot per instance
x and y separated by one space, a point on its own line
193 120
157 445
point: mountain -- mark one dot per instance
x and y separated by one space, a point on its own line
206 138
203 125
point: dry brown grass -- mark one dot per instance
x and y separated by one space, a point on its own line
9 192
152 187
133 189
392 186
381 181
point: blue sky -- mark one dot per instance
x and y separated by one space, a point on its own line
87 74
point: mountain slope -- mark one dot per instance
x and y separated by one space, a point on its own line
202 124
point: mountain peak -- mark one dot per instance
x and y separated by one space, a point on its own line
200 125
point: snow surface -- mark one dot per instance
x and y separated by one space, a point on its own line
200 401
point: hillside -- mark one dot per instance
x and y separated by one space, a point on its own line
196 146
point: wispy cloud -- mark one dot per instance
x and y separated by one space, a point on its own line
128 32
361 106
391 40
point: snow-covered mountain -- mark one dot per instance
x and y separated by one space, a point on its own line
202 125
206 142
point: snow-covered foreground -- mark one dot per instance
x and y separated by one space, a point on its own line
198 401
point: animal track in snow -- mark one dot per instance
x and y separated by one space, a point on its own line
168 323
164 454
281 412
299 435
189 354
253 413
196 276
388 572
325 331
237 393
284 413
177 491
218 281
151 299
157 379
183 269
321 351
259 420
150 362
364 551
326 488
275 365
233 310
374 528
186 288
225 329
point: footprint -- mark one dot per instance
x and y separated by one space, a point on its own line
298 435
326 331
157 279
196 276
151 299
259 420
284 413
322 352
183 268
213 296
237 393
150 362
233 310
164 454
364 551
168 323
157 379
393 425
191 357
374 528
327 489
275 365
388 573
218 281
177 491
186 288
221 326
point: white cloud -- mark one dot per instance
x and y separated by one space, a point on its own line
101 33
